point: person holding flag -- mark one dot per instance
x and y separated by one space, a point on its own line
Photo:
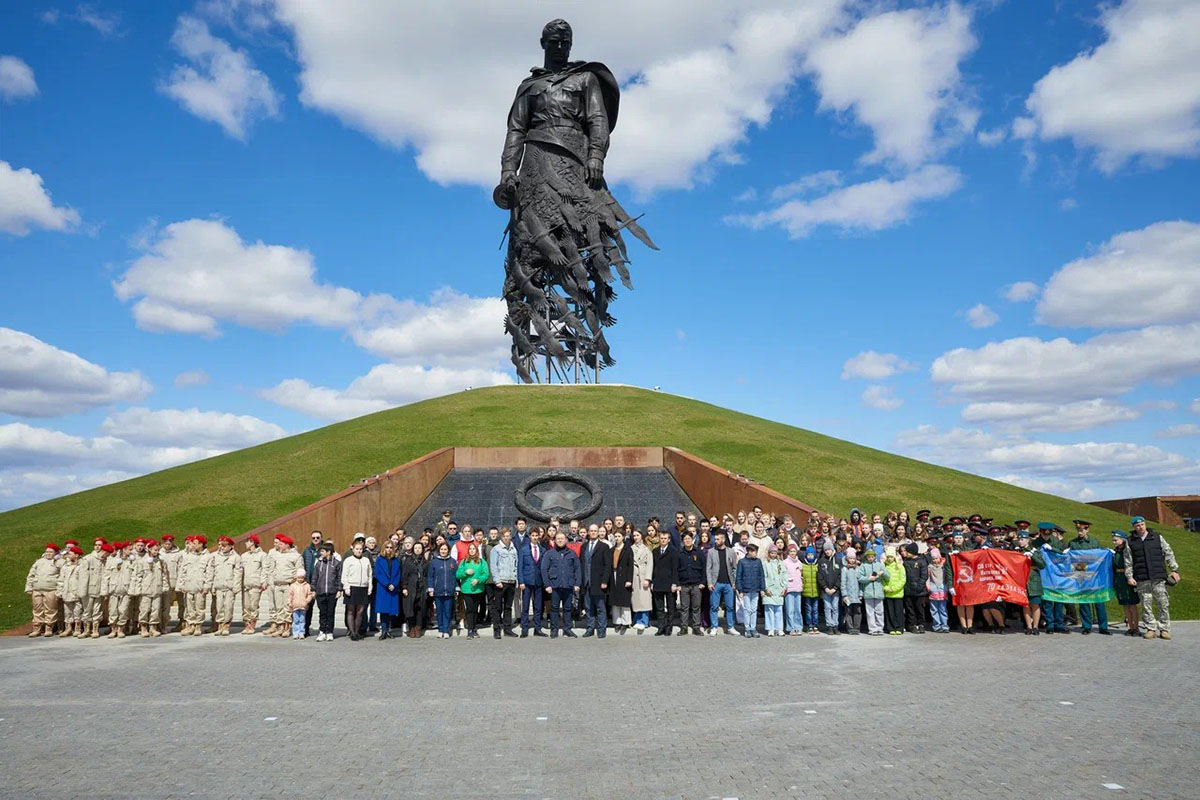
1084 541
1052 542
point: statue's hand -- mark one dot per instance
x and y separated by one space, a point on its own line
595 173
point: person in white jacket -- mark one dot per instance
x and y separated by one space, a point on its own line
356 579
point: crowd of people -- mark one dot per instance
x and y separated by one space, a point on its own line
741 573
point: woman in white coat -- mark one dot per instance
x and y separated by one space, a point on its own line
643 571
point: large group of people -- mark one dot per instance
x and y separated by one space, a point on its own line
741 574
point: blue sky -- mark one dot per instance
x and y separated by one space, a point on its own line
967 232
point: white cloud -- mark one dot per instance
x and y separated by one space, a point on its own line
817 181
991 138
1068 489
23 445
451 329
1178 431
1136 94
1110 463
16 79
198 272
25 203
746 196
980 316
1068 204
219 84
103 21
1024 128
1136 277
1059 370
1021 417
870 206
1195 406
40 380
875 366
20 487
881 397
385 386
687 102
1021 291
191 427
191 377
898 72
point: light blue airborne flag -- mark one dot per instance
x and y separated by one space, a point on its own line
1078 576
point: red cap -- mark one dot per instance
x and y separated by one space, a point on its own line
167 536
285 539
74 549
108 548
100 539
253 538
225 540
203 542
70 541
53 546
151 543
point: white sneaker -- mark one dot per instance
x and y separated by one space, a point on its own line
711 632
321 636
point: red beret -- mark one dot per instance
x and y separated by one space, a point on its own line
253 538
203 541
285 539
170 536
70 541
75 550
151 543
52 546
101 540
225 540
108 548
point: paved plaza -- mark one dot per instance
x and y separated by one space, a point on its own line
894 717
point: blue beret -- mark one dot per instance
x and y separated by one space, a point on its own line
1120 534
1136 520
1046 526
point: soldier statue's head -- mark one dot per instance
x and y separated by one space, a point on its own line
556 41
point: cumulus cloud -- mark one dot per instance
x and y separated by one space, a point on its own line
1136 94
875 366
817 181
452 328
197 272
16 79
1059 370
1021 458
191 377
869 206
1178 431
1195 406
25 203
980 316
40 380
385 386
898 72
1136 277
1069 489
1021 291
190 428
1024 417
880 397
219 83
991 138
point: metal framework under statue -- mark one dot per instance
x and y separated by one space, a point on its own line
564 228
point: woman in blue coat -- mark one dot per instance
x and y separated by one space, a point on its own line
387 589
443 586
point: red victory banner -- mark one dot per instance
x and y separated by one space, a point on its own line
988 576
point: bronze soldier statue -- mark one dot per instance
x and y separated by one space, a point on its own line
564 231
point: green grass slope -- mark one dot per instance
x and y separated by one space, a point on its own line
237 491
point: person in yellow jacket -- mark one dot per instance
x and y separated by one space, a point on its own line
283 564
114 588
894 577
254 582
68 593
226 582
40 585
194 581
170 555
146 583
92 568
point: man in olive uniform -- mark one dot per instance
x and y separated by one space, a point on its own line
122 604
92 567
283 564
193 581
1051 535
40 585
226 580
1154 568
254 583
109 586
169 554
1085 541
146 583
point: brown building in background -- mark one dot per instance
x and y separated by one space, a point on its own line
1177 511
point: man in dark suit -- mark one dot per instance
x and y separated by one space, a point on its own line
596 558
529 583
664 584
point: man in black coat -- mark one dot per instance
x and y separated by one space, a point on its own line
596 559
692 564
664 584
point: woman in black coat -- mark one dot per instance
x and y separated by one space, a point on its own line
620 588
414 600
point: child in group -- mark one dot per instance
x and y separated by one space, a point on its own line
750 583
811 591
894 578
776 579
936 584
300 594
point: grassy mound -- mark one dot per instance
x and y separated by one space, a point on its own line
237 491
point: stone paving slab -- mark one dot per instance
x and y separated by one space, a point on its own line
895 717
